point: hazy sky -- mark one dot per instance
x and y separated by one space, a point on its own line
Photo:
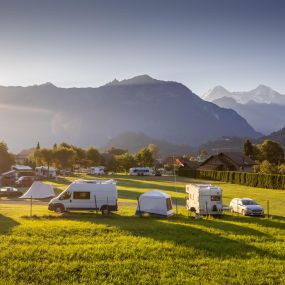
237 44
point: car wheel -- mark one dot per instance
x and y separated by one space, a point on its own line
59 208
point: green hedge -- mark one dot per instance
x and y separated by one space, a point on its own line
272 181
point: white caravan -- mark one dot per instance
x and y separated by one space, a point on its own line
141 171
97 170
87 195
204 199
44 171
155 202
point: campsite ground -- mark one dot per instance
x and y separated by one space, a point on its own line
52 248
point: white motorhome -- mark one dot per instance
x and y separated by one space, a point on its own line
204 199
141 171
97 170
87 195
44 171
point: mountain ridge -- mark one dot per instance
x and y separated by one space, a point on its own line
260 94
166 110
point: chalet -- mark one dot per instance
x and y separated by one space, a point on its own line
23 170
228 161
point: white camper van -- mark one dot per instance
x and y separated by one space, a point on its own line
97 170
87 195
44 171
204 199
141 171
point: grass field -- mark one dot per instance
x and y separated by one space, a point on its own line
74 248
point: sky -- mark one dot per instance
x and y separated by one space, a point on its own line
237 44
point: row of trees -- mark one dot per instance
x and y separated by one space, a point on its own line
6 158
66 156
269 155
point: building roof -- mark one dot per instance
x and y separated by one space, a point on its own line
18 167
9 173
237 157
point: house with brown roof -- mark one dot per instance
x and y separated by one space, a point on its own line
228 161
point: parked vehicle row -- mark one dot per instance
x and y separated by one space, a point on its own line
10 192
206 199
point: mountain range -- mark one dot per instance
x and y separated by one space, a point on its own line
164 110
133 142
262 107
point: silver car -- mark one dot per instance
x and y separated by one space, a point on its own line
246 207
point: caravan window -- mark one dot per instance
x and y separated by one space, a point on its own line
168 204
81 195
215 198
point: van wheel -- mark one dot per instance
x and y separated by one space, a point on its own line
59 208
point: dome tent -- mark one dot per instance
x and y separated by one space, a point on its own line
155 202
39 190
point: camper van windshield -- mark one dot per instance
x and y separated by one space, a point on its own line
248 202
65 196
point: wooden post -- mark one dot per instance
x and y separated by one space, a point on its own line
31 206
139 206
268 209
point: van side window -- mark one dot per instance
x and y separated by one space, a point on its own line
65 196
81 195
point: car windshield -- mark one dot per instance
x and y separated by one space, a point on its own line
248 202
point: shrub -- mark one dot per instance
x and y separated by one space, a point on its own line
262 180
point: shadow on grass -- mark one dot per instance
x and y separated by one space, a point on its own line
276 222
211 239
6 224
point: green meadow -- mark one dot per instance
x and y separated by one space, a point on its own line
89 248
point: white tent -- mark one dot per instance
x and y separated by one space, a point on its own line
39 190
155 202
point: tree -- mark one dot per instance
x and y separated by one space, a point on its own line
267 168
34 158
94 157
125 162
116 151
281 168
64 157
248 149
112 164
47 156
6 159
144 157
154 150
272 151
80 157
